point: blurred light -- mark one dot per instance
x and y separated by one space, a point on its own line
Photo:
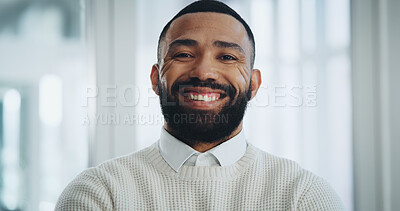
10 151
309 26
262 23
42 25
50 100
288 20
46 206
337 26
12 100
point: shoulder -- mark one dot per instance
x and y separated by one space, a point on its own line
319 196
127 163
86 192
96 187
308 191
277 166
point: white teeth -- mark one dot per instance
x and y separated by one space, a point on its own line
202 97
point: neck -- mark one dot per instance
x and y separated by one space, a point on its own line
202 146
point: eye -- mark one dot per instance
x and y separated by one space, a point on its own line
183 55
228 57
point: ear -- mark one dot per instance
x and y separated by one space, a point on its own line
154 78
255 82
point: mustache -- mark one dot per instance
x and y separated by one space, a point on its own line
228 89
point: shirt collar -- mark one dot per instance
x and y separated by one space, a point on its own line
176 152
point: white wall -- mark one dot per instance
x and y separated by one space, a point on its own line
376 103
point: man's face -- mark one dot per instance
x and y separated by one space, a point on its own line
204 79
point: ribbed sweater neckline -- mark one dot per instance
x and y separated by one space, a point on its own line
203 172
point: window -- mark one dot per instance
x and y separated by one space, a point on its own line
43 144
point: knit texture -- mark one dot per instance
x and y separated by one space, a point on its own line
144 181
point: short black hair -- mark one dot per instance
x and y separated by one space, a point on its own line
209 6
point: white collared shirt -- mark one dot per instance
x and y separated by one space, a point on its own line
176 153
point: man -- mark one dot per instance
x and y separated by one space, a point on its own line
204 77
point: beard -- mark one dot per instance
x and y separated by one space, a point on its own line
207 126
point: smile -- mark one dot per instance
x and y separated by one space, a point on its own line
202 97
208 97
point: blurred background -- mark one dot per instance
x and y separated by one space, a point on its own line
75 91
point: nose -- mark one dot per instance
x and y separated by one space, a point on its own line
204 69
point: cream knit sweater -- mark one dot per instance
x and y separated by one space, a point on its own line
144 181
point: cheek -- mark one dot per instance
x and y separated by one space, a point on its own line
240 79
166 82
243 74
163 83
170 74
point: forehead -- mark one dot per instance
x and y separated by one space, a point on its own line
208 26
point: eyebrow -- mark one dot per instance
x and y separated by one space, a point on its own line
185 42
218 44
223 44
